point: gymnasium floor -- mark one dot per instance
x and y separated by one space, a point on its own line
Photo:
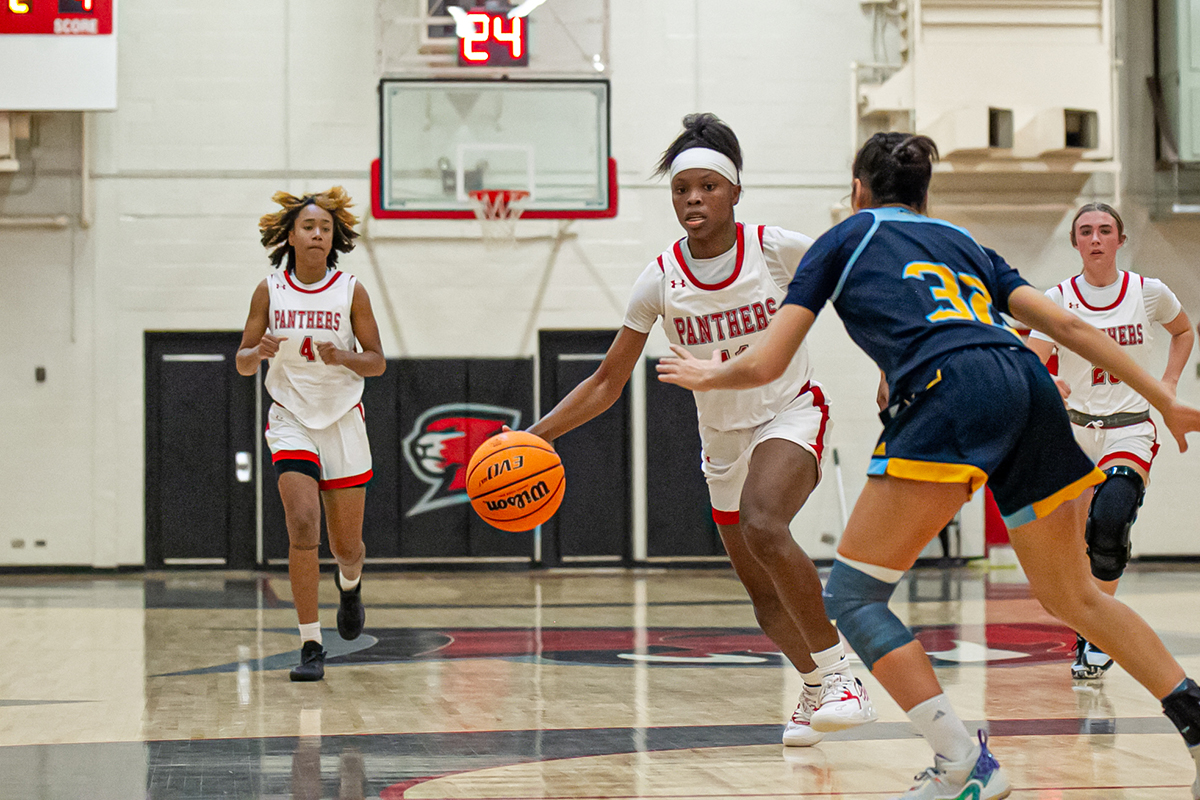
597 684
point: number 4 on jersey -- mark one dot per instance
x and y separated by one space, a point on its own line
306 349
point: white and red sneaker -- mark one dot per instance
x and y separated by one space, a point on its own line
844 704
799 732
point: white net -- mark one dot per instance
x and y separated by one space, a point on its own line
498 211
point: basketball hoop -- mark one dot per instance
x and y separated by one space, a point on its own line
498 211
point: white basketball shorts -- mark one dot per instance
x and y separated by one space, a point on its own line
725 455
341 451
1136 443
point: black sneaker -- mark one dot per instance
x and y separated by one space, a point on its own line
1090 661
351 614
312 663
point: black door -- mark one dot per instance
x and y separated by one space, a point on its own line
200 452
595 522
679 522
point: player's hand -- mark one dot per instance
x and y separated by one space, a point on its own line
882 394
329 353
1181 420
686 370
1064 389
268 345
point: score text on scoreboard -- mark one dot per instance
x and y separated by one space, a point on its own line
491 39
56 17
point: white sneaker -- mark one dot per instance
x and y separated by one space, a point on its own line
975 778
844 704
799 732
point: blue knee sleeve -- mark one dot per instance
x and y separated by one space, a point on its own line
857 603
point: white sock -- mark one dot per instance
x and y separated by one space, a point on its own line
936 721
347 584
310 632
832 660
812 681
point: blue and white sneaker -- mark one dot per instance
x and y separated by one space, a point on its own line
975 778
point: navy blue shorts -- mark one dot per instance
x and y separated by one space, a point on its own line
988 415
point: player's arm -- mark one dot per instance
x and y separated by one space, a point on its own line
1038 312
759 365
1180 349
257 344
370 361
598 391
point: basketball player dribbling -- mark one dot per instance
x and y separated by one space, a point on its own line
1111 421
967 404
716 291
304 319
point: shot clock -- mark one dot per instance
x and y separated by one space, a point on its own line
490 39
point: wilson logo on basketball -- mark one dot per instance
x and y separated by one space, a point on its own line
529 496
440 444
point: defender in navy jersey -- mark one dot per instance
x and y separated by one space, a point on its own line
969 404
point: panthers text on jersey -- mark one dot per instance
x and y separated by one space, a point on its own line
318 394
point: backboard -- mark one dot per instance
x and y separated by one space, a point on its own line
441 139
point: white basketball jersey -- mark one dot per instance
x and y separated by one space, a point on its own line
318 394
729 317
1094 391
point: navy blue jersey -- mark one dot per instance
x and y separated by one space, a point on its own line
908 288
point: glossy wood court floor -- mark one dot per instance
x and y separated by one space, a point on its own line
597 684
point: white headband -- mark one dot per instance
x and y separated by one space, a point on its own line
705 158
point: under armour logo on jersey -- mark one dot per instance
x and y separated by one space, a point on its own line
677 284
1072 305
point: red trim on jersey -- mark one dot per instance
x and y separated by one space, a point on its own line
661 268
1136 459
725 517
760 235
1127 456
346 483
287 276
1117 302
296 455
361 412
820 401
737 269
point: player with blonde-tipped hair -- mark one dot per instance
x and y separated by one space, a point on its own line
305 320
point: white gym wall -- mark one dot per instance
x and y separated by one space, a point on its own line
221 103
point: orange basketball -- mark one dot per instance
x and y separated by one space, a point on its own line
515 481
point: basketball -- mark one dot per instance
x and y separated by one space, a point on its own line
515 481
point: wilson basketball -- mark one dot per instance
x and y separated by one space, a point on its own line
515 481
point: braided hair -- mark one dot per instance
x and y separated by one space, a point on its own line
896 167
276 226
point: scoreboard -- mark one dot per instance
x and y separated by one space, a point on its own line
58 55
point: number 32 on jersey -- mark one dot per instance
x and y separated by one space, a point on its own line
958 295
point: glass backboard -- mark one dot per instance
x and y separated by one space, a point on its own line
441 139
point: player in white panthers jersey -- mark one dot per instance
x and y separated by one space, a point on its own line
716 291
1110 421
305 319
